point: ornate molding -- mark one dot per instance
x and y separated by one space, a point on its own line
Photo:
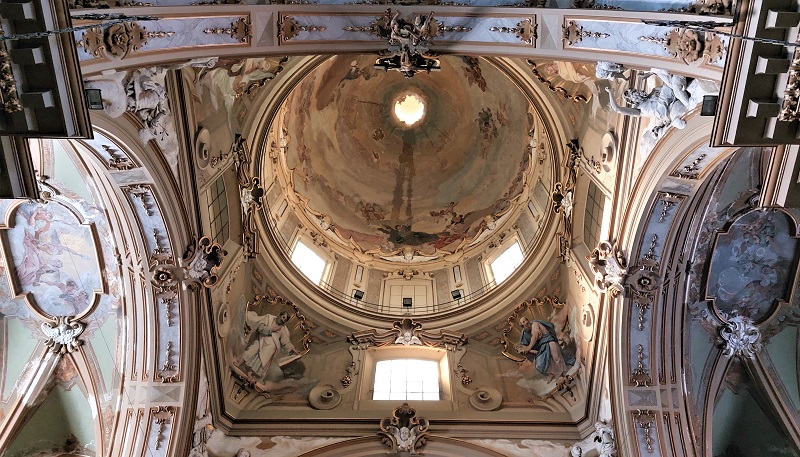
573 33
408 332
525 31
62 337
201 262
643 282
640 375
162 415
119 40
403 431
689 45
198 267
741 338
563 198
609 267
239 30
408 41
289 28
645 419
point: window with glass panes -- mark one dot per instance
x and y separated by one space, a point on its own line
506 263
308 262
406 379
593 221
218 211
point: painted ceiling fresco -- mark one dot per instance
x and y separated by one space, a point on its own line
387 186
751 264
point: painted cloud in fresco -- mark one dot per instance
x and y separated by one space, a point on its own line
53 258
750 268
544 348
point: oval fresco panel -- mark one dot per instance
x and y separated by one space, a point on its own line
54 258
751 263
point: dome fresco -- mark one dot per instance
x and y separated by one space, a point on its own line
388 186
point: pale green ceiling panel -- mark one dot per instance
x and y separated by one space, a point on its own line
63 421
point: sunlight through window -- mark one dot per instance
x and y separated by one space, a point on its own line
406 379
506 263
409 109
308 262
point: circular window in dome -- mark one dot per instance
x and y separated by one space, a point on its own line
409 109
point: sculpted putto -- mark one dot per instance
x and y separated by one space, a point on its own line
667 104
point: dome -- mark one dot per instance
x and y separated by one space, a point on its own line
424 187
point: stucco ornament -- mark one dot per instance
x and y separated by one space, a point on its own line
741 337
407 338
610 70
604 434
609 267
324 397
63 336
147 99
408 43
201 262
666 104
404 431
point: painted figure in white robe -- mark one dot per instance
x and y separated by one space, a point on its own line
272 335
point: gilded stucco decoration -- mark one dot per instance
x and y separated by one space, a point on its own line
289 28
563 198
250 193
119 40
408 44
198 267
406 332
525 30
573 33
689 45
201 262
239 30
404 431
609 266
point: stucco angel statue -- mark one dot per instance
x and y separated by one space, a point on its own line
667 104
